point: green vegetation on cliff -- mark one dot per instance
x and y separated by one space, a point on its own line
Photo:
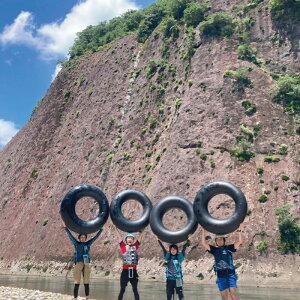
289 230
285 10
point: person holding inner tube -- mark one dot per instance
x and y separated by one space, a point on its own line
129 248
174 275
224 268
81 260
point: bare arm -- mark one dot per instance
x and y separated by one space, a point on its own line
203 241
240 241
141 235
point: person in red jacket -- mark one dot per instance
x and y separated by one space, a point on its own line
129 248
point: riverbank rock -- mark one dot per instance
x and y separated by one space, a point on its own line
10 293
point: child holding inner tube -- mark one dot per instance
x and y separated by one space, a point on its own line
129 248
81 260
174 275
226 277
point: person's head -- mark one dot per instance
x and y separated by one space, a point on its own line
220 240
129 238
82 237
173 249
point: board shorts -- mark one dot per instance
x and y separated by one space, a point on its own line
81 268
226 282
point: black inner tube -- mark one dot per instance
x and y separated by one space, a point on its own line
69 215
214 225
119 219
163 206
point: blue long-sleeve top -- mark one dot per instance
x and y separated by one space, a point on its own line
81 248
173 269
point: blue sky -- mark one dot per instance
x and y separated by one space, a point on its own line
34 34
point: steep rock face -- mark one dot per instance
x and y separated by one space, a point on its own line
106 116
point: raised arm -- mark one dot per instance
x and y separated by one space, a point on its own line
141 235
240 241
203 241
162 247
73 240
91 241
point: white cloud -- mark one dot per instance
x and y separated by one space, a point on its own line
7 131
57 70
20 31
54 40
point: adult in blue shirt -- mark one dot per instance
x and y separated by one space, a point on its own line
82 260
226 277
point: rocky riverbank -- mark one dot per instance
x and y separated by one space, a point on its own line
277 271
11 293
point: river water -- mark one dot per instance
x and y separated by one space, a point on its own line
108 289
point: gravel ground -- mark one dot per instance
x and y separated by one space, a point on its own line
10 293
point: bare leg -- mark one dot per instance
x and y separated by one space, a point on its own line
233 293
224 294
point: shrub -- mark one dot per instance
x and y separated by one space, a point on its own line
262 246
263 199
194 13
218 24
246 52
271 159
240 76
297 181
148 25
212 164
297 125
287 92
285 177
169 28
260 171
153 123
267 192
149 154
110 156
177 7
148 181
242 154
249 107
289 230
283 149
251 5
203 156
190 43
248 132
148 166
35 172
282 10
178 103
126 155
151 68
